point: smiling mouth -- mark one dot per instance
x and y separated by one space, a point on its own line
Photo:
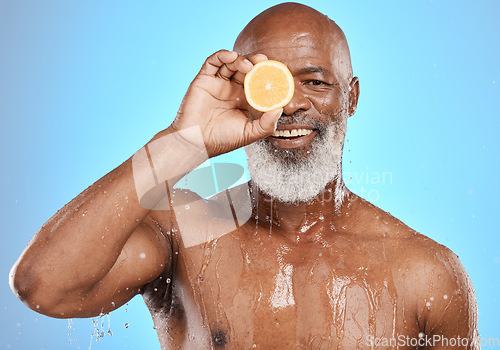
292 137
293 133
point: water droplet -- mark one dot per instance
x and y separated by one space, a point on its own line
126 325
187 206
168 280
445 296
142 255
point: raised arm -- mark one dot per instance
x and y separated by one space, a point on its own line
97 252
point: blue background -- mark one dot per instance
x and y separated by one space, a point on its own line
83 85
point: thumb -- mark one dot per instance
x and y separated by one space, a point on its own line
269 120
264 126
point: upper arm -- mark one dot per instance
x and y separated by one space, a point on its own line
145 255
447 303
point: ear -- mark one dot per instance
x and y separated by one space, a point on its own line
353 95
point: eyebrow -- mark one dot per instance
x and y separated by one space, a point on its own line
314 69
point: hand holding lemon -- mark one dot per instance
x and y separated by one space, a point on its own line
216 100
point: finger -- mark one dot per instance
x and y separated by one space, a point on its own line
240 65
269 120
257 58
239 76
265 125
216 61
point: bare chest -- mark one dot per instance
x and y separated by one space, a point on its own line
265 293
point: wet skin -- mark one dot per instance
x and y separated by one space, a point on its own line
307 276
330 282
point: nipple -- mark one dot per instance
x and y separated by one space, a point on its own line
219 338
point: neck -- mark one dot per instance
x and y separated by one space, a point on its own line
329 208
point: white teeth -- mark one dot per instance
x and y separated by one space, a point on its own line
292 133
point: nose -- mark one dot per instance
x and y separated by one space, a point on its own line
299 102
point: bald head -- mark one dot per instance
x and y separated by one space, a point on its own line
289 25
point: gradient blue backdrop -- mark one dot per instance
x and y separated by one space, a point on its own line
83 85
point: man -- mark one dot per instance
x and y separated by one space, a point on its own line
313 267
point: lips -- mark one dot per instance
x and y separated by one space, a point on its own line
292 136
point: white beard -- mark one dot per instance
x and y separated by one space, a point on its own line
290 177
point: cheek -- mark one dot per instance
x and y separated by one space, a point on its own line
333 102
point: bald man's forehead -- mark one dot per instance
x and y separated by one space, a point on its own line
288 29
277 41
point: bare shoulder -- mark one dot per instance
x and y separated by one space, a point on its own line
433 279
441 289
429 275
412 251
433 267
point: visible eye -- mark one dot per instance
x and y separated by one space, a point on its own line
316 83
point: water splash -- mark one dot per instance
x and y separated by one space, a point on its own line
99 330
70 329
